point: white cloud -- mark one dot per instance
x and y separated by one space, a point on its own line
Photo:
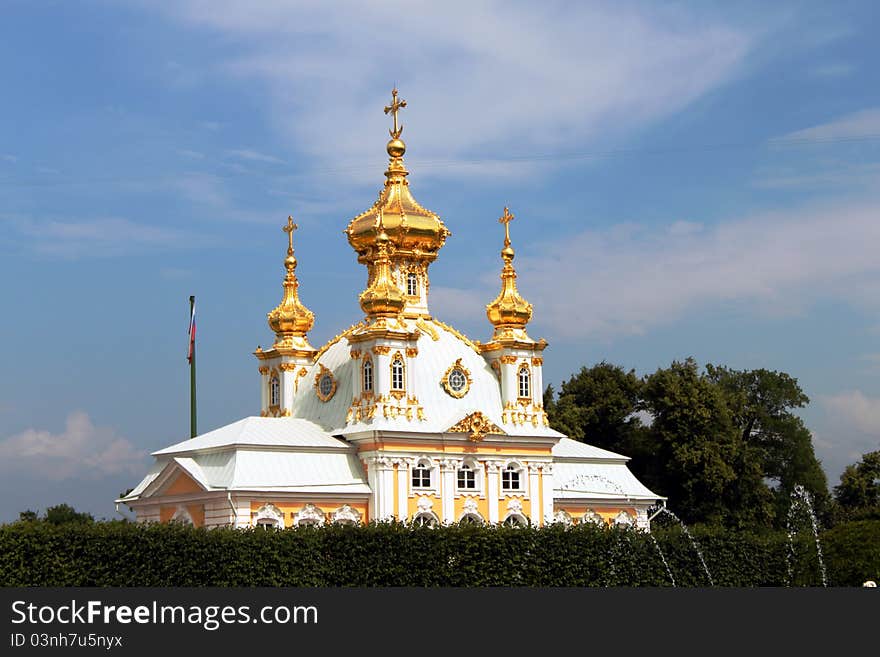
5 157
534 78
254 156
865 123
854 409
97 237
832 71
628 279
82 450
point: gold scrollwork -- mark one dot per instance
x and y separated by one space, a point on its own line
477 424
382 350
537 360
456 391
412 352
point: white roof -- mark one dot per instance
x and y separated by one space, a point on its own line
580 479
263 431
441 410
567 448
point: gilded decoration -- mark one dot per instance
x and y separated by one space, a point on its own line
412 352
470 343
291 320
416 233
381 350
508 360
427 329
461 380
355 353
382 298
509 311
323 389
477 425
287 367
264 370
351 329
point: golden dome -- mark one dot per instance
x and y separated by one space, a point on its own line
509 310
413 230
290 320
382 298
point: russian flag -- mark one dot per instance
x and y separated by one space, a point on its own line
192 331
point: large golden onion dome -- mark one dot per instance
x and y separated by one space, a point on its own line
290 320
414 231
509 310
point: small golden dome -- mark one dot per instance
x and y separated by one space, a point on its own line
290 320
383 297
509 310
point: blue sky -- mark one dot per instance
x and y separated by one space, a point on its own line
689 179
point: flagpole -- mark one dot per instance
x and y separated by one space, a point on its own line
192 377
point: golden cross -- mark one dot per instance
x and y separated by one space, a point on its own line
393 108
505 219
289 228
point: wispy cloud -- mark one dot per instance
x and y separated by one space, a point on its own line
192 154
512 76
832 70
96 237
82 450
254 156
865 123
630 278
6 157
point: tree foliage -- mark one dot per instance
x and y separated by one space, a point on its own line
859 489
723 445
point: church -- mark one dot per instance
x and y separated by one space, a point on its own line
399 417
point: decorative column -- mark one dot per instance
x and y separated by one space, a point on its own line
547 492
264 388
447 489
492 489
402 489
535 510
385 468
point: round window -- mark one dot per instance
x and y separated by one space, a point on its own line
325 385
457 380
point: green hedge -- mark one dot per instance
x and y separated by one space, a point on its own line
125 554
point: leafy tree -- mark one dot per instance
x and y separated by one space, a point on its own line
28 516
859 488
760 403
64 514
597 406
695 444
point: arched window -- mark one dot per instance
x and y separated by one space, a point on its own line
525 382
269 517
309 515
274 391
516 520
592 517
421 475
425 519
397 378
470 519
368 375
467 478
412 284
511 478
182 516
624 519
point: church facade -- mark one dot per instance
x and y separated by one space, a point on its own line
399 417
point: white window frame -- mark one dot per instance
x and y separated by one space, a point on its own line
398 373
274 390
412 284
524 368
477 468
367 375
520 469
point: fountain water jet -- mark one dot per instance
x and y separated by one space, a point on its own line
663 509
800 498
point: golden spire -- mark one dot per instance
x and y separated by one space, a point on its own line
290 320
383 297
509 310
415 232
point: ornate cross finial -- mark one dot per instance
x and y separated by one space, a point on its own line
393 108
505 219
289 228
